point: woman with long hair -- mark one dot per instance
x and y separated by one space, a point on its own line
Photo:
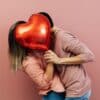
32 62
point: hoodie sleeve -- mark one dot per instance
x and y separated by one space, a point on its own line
71 43
36 73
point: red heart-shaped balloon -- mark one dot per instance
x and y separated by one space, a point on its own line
35 34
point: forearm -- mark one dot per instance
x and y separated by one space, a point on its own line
79 59
49 71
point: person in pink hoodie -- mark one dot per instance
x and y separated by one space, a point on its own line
68 55
32 62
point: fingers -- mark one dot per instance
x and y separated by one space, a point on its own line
49 52
47 56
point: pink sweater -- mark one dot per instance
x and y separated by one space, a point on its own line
74 77
34 68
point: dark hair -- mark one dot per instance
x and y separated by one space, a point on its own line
11 39
16 52
52 36
49 17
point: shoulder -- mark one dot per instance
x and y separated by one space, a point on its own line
64 35
29 60
62 32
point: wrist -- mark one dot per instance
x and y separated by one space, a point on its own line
50 64
60 61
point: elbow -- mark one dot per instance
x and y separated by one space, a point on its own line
87 57
92 57
44 85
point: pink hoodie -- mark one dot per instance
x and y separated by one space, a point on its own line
34 68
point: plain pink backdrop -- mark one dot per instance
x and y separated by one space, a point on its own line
81 17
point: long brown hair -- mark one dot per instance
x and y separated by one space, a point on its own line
16 52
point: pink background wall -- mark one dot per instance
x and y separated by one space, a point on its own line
81 17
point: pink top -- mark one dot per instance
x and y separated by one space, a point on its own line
74 77
34 68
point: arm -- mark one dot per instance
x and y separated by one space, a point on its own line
50 56
71 60
71 44
37 74
49 71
